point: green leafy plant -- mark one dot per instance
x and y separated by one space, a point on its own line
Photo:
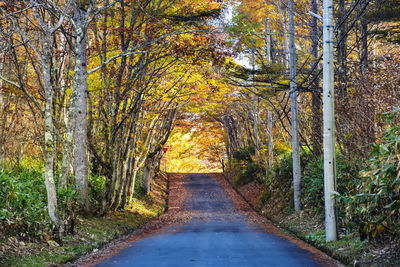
244 154
249 174
347 178
250 170
23 202
279 182
96 189
376 207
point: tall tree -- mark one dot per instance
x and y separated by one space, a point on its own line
48 24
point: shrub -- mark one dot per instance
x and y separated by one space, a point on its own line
245 154
250 170
23 203
279 182
282 170
249 174
376 206
312 190
347 178
96 189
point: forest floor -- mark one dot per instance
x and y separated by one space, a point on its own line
91 233
309 227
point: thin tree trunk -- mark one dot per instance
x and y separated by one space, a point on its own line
130 178
364 39
147 175
49 139
255 107
368 106
68 143
122 183
344 124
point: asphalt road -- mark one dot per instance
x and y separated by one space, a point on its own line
217 235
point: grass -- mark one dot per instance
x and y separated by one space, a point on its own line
43 259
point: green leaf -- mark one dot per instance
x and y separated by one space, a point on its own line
394 205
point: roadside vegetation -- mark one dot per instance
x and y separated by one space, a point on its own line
27 236
368 198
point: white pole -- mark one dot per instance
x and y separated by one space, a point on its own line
268 33
329 123
269 116
293 100
255 102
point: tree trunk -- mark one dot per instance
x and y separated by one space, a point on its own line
369 107
68 142
344 121
255 107
148 174
134 173
122 183
130 183
80 87
364 39
49 139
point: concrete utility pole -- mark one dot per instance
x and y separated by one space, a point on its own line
267 33
255 103
269 116
329 123
293 100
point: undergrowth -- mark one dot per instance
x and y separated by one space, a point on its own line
25 207
250 170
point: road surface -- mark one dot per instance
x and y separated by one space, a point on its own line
216 235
